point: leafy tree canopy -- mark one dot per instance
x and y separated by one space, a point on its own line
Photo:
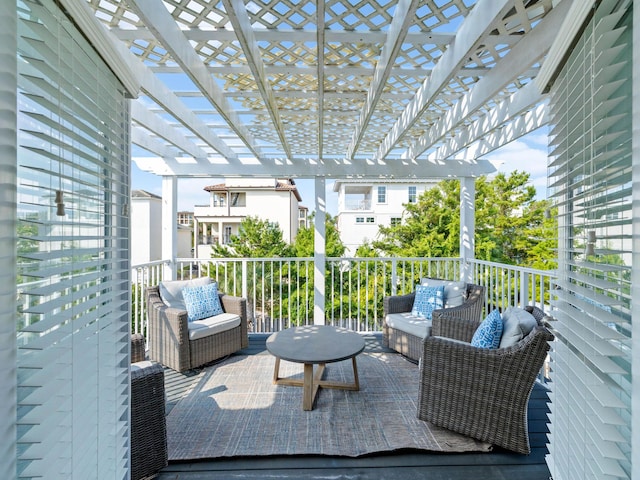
256 238
303 246
511 226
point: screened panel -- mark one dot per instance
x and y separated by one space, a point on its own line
73 275
590 180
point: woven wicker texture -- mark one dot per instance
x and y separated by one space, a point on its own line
479 392
469 315
169 342
148 425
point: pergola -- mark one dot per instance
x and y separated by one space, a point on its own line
386 89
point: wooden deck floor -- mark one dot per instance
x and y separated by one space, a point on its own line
496 465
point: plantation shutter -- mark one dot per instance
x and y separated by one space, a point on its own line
73 269
590 180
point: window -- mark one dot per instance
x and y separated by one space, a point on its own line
219 199
382 194
395 221
359 219
371 220
226 238
239 199
413 194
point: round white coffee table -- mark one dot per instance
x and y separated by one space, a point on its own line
311 345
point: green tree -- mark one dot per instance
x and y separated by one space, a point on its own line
510 226
303 245
256 238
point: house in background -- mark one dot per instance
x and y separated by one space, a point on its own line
275 200
146 229
363 206
185 218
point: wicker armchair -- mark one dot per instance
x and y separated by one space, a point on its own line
469 314
479 392
148 425
169 342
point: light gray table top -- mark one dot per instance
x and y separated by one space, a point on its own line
315 344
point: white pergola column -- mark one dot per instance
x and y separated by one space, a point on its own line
8 260
169 228
319 254
467 226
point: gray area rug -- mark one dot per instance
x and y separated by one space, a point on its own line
235 410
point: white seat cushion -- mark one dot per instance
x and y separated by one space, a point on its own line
454 292
171 292
211 325
416 326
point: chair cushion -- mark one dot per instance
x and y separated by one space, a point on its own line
202 301
212 325
489 332
427 300
405 322
171 292
518 323
454 292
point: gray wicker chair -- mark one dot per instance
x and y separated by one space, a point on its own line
469 314
148 425
479 392
169 342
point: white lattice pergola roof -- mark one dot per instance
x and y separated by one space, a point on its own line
338 88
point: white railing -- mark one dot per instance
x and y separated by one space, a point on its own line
280 291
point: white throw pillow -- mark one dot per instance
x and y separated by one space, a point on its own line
454 292
518 323
171 292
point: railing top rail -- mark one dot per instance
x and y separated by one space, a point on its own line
550 273
150 264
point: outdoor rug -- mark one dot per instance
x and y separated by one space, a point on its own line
235 410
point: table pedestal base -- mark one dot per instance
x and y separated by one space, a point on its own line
313 381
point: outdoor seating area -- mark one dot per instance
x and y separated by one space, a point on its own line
181 343
405 327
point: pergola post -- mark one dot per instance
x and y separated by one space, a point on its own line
467 226
169 228
319 255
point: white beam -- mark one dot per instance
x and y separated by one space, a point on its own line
508 110
169 226
320 72
467 226
521 56
304 167
141 138
163 129
511 131
319 251
481 18
155 14
403 18
239 18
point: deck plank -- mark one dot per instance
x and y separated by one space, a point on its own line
496 465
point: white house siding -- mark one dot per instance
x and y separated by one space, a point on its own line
360 214
146 229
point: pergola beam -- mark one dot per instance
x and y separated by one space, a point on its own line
402 20
508 110
303 168
165 29
474 28
237 12
517 60
320 71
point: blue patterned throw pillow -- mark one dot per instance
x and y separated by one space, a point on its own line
489 332
427 300
202 301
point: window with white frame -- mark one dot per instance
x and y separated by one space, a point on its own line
382 194
359 219
413 194
395 221
371 219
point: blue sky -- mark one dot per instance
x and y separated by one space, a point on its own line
528 154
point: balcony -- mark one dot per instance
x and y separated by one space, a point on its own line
280 294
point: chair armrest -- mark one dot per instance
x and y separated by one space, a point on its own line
398 303
237 305
138 352
446 325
